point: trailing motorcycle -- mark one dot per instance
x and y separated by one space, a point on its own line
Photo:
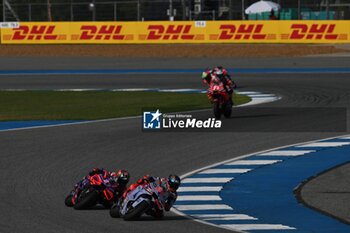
91 191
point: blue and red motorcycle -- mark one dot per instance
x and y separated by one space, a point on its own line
91 191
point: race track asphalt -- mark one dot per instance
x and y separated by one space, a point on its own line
38 167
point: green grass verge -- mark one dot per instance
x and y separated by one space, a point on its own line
92 105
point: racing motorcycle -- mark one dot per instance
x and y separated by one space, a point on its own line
143 199
221 100
91 191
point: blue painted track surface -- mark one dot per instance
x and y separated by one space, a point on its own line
265 192
7 125
168 71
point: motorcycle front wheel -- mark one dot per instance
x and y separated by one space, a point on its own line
86 199
68 201
217 110
137 211
114 211
228 110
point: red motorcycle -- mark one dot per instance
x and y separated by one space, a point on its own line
91 191
221 100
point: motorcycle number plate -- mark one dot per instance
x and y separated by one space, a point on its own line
138 201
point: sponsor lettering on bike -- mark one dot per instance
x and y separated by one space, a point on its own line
242 31
35 32
103 32
313 31
170 32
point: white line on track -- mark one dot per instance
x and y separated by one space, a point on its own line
208 180
262 95
199 198
224 217
131 89
182 90
200 189
325 144
77 89
253 162
248 92
256 101
204 207
225 171
286 153
249 227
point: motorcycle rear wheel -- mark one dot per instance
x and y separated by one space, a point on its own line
137 211
86 200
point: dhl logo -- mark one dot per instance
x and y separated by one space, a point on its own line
171 32
243 31
314 31
104 32
36 32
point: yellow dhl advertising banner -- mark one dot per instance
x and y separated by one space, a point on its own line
160 32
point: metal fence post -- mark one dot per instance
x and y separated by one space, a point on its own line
49 15
3 11
115 11
183 9
138 10
171 15
243 14
94 10
30 12
71 12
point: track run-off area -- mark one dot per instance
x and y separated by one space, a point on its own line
40 165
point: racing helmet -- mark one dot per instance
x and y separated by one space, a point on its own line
174 182
218 72
122 177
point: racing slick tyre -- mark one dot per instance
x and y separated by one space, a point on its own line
137 211
114 211
68 201
217 110
106 204
228 110
86 199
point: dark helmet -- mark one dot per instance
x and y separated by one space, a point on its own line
122 177
174 182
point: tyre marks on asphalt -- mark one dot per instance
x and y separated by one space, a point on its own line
255 192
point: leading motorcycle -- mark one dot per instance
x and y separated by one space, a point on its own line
144 199
221 100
